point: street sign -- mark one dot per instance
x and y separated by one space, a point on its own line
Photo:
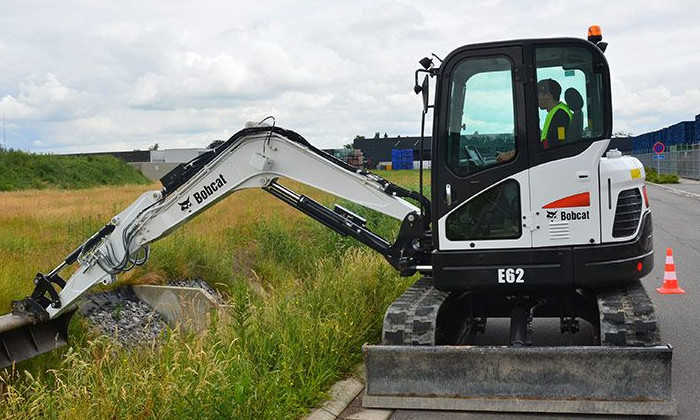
659 147
660 157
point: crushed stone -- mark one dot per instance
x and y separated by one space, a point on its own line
130 321
124 317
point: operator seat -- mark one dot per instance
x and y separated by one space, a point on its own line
575 102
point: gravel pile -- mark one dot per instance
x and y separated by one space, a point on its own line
122 316
129 320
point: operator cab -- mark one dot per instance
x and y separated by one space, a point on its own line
500 161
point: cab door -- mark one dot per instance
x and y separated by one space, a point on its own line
481 191
564 175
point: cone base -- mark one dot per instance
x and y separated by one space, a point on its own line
670 291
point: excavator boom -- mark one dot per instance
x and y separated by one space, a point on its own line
255 157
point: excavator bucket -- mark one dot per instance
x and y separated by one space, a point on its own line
20 339
593 379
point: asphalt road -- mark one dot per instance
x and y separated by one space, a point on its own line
676 218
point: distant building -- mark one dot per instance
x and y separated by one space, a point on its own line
684 132
175 155
153 164
151 156
378 150
133 156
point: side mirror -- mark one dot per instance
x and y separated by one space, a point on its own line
425 88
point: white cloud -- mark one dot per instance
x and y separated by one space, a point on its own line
642 109
90 75
46 99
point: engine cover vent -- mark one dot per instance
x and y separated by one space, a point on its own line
559 230
627 213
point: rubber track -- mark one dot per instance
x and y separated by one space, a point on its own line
411 319
627 317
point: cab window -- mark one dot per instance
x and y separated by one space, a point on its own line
570 96
481 116
493 214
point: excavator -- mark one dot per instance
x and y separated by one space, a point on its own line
516 229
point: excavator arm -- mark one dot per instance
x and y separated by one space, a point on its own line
255 157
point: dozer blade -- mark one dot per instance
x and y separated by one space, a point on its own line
21 340
595 380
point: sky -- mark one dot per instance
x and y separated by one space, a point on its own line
84 76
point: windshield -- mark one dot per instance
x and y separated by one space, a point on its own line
481 119
571 96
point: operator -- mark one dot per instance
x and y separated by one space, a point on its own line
556 123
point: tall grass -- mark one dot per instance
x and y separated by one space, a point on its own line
304 300
40 227
272 359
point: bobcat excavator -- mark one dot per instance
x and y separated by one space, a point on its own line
557 230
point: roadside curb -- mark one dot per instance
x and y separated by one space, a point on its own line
676 190
345 404
342 393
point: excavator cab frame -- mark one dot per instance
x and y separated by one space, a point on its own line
524 233
486 102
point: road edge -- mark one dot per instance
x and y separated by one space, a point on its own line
675 190
345 401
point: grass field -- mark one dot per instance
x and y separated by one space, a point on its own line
305 300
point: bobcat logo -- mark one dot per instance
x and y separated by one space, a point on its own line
185 205
551 214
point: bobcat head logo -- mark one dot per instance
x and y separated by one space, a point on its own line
185 205
551 214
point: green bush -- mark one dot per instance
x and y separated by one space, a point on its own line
22 171
657 178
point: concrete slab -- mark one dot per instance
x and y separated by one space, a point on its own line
352 409
342 393
321 414
355 411
369 414
185 306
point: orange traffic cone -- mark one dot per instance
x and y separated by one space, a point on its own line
670 284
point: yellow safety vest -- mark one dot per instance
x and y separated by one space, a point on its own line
548 121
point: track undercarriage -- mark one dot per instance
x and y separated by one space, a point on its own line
423 315
429 357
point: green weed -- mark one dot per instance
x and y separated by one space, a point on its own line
657 178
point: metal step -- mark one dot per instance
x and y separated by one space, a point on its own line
21 340
593 379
